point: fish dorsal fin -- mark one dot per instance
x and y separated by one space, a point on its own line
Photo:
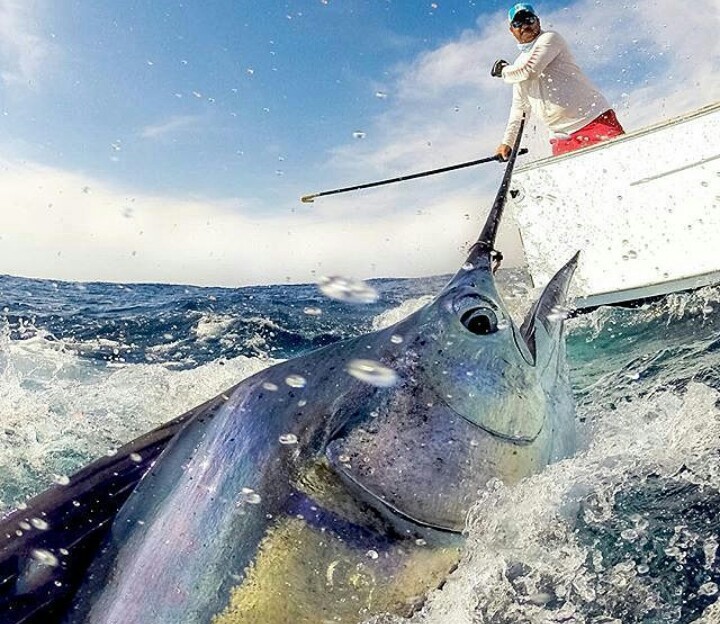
548 313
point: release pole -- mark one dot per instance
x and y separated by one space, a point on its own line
308 199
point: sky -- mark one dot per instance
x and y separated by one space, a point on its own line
158 141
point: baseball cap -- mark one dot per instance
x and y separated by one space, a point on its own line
518 8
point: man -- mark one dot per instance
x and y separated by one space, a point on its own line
547 81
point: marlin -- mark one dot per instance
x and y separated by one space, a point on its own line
331 487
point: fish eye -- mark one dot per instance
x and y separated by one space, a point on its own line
480 321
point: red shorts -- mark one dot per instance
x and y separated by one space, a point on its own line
599 129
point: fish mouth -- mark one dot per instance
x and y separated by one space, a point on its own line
377 501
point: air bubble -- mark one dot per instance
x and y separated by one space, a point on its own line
347 289
372 373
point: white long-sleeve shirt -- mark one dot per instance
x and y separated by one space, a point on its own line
547 81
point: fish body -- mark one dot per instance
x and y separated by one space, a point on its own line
336 485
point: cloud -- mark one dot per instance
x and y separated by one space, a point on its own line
24 53
173 125
62 225
445 103
443 108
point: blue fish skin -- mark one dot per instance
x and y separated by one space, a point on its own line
250 507
466 408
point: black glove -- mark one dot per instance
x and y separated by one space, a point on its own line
496 71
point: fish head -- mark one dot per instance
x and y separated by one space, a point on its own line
478 398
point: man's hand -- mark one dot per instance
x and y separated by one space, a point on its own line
496 71
503 151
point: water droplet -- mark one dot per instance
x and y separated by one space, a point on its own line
395 339
111 452
250 496
64 551
44 557
359 134
61 479
344 459
643 569
558 313
311 311
632 254
708 589
504 324
421 542
380 95
468 266
40 524
347 289
372 554
288 438
25 526
302 403
269 385
372 373
295 381
629 535
707 309
135 457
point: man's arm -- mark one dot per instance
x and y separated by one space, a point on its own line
519 108
548 46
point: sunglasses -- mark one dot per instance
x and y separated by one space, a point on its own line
524 19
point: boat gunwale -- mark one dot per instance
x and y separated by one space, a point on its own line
550 160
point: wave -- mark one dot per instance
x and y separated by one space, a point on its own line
60 411
615 534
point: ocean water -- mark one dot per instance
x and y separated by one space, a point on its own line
625 531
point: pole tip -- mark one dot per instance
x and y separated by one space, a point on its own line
308 199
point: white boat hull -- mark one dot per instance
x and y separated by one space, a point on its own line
643 208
